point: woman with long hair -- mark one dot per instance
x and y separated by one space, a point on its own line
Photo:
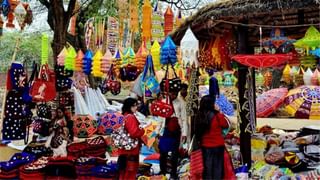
208 131
128 160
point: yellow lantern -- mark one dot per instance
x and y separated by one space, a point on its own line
155 52
96 64
146 20
286 74
134 18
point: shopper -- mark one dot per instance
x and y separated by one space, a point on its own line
208 130
175 131
128 160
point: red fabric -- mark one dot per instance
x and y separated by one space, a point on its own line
155 156
132 126
196 164
228 167
173 124
214 138
130 172
262 60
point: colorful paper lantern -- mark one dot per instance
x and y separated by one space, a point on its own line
298 78
141 56
118 59
189 49
168 53
155 52
157 28
315 78
106 61
267 78
79 62
134 18
259 79
62 56
44 48
129 57
70 59
286 74
96 64
307 77
146 20
87 62
311 40
20 14
168 21
277 38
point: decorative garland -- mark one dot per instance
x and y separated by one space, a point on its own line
193 92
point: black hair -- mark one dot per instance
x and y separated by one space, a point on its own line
127 104
205 115
184 86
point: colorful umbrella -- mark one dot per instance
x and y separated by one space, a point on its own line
270 101
262 60
304 102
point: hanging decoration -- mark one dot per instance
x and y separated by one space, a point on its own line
70 59
315 52
89 31
99 32
267 78
215 52
168 21
5 7
155 52
113 34
62 56
79 62
157 29
286 74
44 48
73 20
134 18
146 20
311 40
129 57
20 14
141 56
106 61
307 77
277 39
168 52
298 78
259 79
123 15
189 49
126 34
262 60
315 80
178 20
96 64
87 62
118 57
308 61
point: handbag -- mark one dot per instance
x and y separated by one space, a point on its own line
149 80
66 98
43 88
121 138
62 72
112 85
129 73
174 83
162 108
41 126
63 83
84 126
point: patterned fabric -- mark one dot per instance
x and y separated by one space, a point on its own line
17 76
262 60
14 124
193 94
110 121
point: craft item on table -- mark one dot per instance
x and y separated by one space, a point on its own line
189 48
298 78
96 64
270 101
84 126
44 48
141 56
307 77
267 78
106 61
315 79
87 62
168 53
315 52
155 52
303 102
168 21
286 74
277 39
146 20
34 170
112 34
310 40
227 81
78 61
294 70
70 59
157 21
134 18
62 56
109 122
112 84
259 79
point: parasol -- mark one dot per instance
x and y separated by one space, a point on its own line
269 101
304 102
262 60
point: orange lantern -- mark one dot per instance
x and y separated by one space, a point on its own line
267 78
79 62
134 18
141 56
146 20
168 21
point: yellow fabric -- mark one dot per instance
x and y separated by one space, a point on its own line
146 20
294 106
258 143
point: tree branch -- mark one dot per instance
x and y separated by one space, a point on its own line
45 3
71 6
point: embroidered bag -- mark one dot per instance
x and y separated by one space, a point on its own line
174 83
84 126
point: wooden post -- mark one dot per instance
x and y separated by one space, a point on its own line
245 137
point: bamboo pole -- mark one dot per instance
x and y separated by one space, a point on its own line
5 89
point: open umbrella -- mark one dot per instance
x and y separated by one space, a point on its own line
269 101
304 102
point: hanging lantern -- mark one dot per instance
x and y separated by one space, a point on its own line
134 18
259 79
106 61
70 59
118 59
307 77
189 48
168 21
87 62
168 53
311 40
20 14
155 52
61 57
129 57
293 71
298 78
157 29
286 74
141 56
315 78
44 48
96 64
79 62
277 39
146 20
267 78
5 7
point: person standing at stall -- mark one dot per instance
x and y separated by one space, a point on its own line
208 131
128 161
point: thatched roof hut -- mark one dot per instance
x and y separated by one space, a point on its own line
212 19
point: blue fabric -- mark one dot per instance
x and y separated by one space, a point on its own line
225 106
105 171
17 160
147 151
151 161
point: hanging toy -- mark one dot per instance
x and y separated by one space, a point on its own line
227 80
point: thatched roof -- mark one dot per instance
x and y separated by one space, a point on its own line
210 20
